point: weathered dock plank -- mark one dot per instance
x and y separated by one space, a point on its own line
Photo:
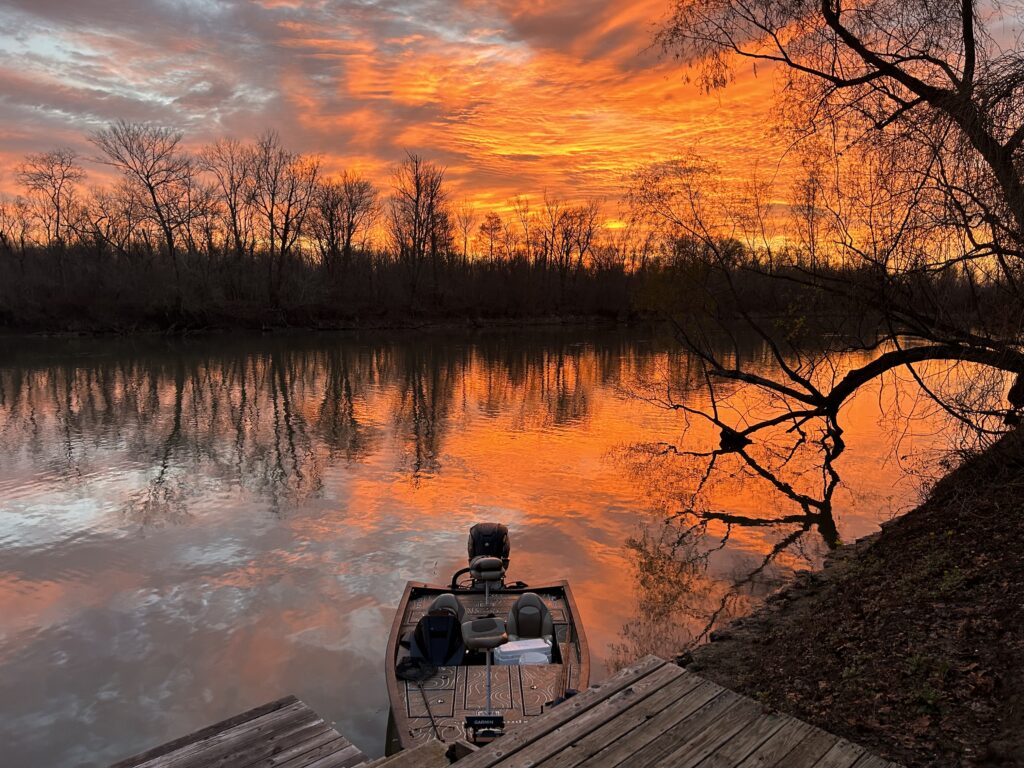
608 733
656 715
808 752
527 733
695 749
649 747
743 743
843 754
282 734
432 754
651 715
638 739
778 745
584 723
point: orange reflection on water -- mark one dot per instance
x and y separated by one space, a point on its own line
229 520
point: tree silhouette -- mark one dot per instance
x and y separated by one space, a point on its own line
150 156
913 122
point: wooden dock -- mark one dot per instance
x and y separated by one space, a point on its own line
657 714
651 714
283 734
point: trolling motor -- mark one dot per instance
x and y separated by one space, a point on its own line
489 548
489 540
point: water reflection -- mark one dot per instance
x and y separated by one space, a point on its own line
191 528
715 490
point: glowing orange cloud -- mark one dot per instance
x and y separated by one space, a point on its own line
513 98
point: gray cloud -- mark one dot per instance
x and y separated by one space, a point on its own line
511 98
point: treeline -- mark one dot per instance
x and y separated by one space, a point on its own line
253 233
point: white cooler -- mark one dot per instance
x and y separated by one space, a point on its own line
523 652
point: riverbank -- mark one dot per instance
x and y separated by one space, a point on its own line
911 641
270 323
145 294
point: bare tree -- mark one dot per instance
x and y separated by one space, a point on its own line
915 110
150 156
521 206
198 209
7 226
14 228
511 243
284 186
419 223
345 210
491 230
229 163
326 223
107 223
929 84
124 213
928 70
587 222
361 208
569 235
53 176
465 220
551 218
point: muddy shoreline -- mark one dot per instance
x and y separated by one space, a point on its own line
910 641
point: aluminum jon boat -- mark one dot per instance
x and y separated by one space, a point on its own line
469 659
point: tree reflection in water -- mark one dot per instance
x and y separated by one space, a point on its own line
275 419
787 481
271 417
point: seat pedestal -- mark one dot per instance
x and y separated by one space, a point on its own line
485 635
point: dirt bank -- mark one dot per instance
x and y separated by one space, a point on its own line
911 641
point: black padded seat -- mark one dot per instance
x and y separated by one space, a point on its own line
530 619
437 638
484 634
486 568
450 603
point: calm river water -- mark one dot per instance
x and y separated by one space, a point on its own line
191 528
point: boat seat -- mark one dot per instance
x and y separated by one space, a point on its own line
448 602
484 634
486 568
530 619
437 637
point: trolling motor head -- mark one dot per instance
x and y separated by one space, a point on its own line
489 540
488 548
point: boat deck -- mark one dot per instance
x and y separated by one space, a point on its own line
517 692
657 714
283 734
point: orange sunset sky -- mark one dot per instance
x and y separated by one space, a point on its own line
513 97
